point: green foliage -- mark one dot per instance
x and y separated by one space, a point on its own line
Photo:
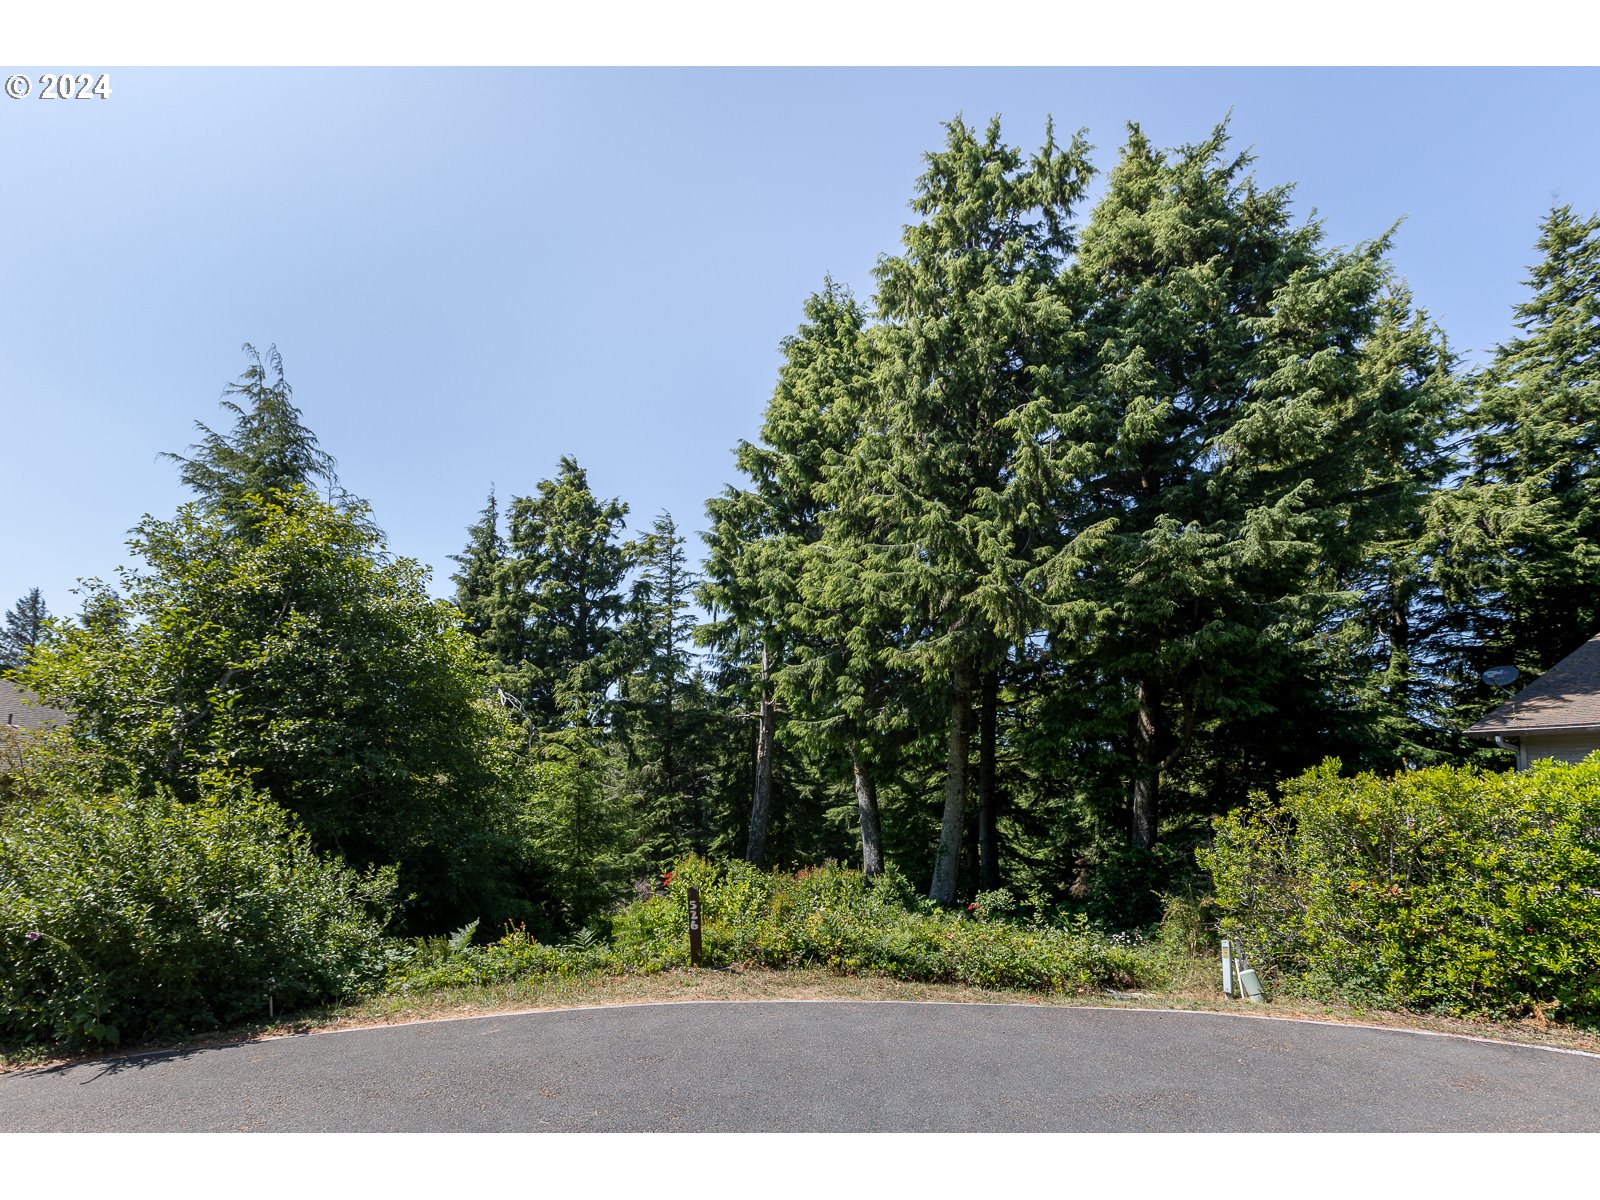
302 661
24 629
579 824
516 955
486 589
663 716
567 568
124 918
990 906
830 916
36 763
1187 930
1126 884
269 450
1448 888
1527 524
835 917
431 951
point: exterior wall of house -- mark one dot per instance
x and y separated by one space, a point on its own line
1563 747
22 710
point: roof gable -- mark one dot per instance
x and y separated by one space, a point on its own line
1564 698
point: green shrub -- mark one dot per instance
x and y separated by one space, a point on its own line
1447 888
1127 883
514 956
126 918
838 918
1186 929
832 917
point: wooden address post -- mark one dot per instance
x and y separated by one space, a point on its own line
694 927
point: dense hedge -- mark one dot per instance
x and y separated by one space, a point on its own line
1447 888
127 918
832 917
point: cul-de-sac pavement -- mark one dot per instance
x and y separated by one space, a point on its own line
825 1066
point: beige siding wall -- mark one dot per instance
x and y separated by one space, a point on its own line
1566 747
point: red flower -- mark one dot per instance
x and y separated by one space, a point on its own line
970 907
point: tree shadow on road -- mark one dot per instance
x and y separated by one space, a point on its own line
119 1062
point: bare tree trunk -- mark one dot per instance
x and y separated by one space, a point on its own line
1146 813
867 807
761 805
988 845
969 849
948 862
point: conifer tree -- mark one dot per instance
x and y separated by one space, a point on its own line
741 595
836 684
1534 497
268 451
582 832
1392 649
24 629
1229 429
485 589
788 597
659 710
965 453
568 570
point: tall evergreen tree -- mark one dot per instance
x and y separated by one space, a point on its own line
1534 499
744 597
660 715
486 590
835 683
783 593
269 449
1230 426
569 566
963 458
582 831
24 629
1393 648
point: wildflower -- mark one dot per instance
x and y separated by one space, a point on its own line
970 907
33 935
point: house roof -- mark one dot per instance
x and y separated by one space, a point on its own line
1565 699
21 709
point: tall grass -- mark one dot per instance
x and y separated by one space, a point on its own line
831 917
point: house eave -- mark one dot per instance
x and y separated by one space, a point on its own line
1521 731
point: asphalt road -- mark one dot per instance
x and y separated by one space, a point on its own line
779 1066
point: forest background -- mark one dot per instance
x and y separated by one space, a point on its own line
1083 527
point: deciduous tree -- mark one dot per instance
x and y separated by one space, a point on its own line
303 662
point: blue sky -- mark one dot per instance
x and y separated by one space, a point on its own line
471 272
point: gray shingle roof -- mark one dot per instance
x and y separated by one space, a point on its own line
1566 698
22 709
